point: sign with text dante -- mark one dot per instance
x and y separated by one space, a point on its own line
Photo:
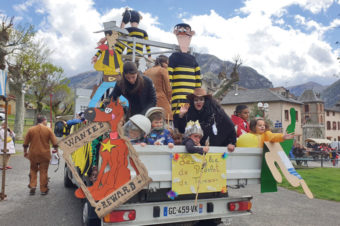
186 173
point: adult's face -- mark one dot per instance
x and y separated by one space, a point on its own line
131 78
199 103
184 35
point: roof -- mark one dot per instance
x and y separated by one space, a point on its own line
309 96
255 95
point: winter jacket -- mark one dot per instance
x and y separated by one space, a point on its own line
139 102
190 146
163 136
241 125
215 123
160 79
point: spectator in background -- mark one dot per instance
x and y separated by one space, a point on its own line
240 119
10 146
37 150
160 78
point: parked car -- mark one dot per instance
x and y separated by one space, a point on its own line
2 116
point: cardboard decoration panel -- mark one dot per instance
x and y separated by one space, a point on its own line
111 189
276 154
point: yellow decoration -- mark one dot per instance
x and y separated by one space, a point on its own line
108 146
248 140
9 139
186 172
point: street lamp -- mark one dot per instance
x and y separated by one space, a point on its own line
263 107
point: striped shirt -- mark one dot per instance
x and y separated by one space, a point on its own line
138 33
185 76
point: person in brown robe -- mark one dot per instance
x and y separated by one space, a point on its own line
37 141
160 78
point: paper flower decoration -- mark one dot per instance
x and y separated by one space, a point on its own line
224 189
176 156
172 194
224 155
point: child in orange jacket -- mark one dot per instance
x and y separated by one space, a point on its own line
259 133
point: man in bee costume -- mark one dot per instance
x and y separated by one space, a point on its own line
184 71
109 62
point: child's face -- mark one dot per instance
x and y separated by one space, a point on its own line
260 127
244 114
157 123
196 138
134 134
177 140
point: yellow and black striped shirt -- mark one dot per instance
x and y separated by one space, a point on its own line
185 76
138 33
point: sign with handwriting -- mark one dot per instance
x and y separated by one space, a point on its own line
187 173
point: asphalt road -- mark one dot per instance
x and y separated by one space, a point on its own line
60 207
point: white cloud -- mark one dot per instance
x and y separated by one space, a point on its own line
280 54
24 6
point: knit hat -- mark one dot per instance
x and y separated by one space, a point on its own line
193 127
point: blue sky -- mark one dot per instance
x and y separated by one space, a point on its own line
289 42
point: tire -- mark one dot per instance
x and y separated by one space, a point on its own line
67 181
87 221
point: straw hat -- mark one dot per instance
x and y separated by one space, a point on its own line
111 26
198 92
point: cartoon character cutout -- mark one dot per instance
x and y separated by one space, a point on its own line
114 170
277 155
108 61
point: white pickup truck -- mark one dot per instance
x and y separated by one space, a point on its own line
151 206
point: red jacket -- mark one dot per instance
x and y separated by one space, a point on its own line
241 126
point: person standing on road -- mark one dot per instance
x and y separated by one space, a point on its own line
37 141
10 146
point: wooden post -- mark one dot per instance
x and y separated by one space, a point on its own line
4 155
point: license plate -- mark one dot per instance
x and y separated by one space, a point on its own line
182 210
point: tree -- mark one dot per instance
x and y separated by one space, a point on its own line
227 83
14 44
257 112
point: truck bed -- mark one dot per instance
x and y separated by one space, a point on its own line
243 165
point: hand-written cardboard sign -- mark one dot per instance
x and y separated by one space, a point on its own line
86 134
186 172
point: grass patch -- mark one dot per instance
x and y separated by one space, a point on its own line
323 182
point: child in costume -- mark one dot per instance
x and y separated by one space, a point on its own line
137 128
158 135
259 134
193 136
177 137
240 119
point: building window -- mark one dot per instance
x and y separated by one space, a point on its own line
321 119
338 138
327 113
328 125
333 113
334 125
338 125
306 108
286 115
297 116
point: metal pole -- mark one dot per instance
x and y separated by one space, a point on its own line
51 110
4 155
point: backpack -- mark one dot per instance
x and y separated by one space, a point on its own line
59 128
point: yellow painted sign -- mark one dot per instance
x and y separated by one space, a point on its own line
186 173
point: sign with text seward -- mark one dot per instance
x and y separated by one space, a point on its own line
188 175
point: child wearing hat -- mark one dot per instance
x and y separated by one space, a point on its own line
193 136
158 135
137 128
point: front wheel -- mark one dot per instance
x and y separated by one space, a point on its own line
87 220
67 181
